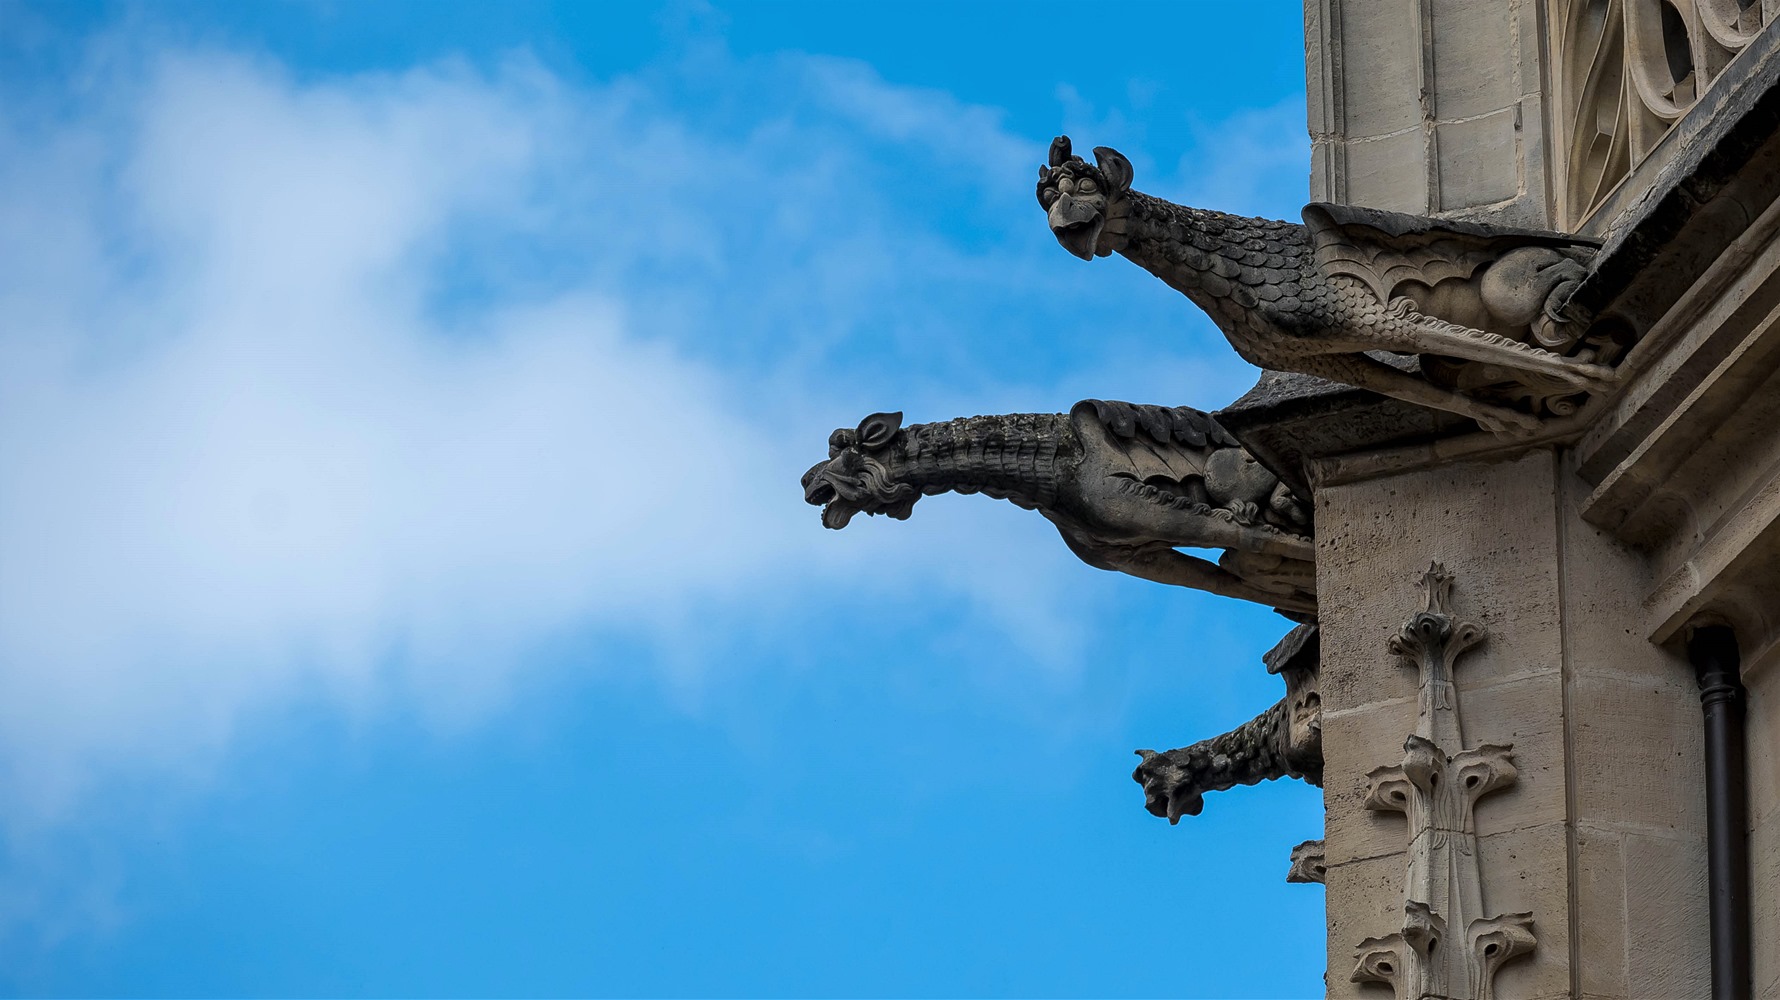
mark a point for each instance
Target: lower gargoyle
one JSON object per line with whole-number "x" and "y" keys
{"x": 1286, "y": 741}
{"x": 1124, "y": 484}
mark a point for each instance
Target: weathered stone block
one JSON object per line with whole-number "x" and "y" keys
{"x": 1666, "y": 919}
{"x": 1527, "y": 713}
{"x": 1355, "y": 742}
{"x": 1639, "y": 759}
{"x": 1479, "y": 160}
{"x": 1764, "y": 876}
{"x": 1763, "y": 715}
{"x": 1600, "y": 913}
{"x": 1481, "y": 520}
{"x": 1526, "y": 871}
{"x": 1365, "y": 899}
{"x": 1389, "y": 173}
{"x": 1476, "y": 64}
{"x": 1381, "y": 63}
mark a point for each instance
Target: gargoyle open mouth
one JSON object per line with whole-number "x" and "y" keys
{"x": 837, "y": 513}
{"x": 1164, "y": 793}
{"x": 1080, "y": 238}
{"x": 819, "y": 492}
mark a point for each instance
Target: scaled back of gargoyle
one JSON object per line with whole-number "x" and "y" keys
{"x": 1316, "y": 297}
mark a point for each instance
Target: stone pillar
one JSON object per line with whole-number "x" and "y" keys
{"x": 1432, "y": 107}
{"x": 1601, "y": 838}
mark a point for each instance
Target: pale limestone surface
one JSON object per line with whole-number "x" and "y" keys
{"x": 1589, "y": 552}
{"x": 1428, "y": 106}
{"x": 1376, "y": 539}
{"x": 1603, "y": 836}
{"x": 1551, "y": 114}
{"x": 1622, "y": 77}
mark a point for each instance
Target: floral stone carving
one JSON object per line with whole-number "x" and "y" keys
{"x": 1449, "y": 945}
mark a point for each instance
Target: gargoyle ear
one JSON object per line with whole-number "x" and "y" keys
{"x": 1114, "y": 167}
{"x": 876, "y": 430}
{"x": 1060, "y": 151}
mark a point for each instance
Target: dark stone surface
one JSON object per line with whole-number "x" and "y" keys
{"x": 1733, "y": 125}
{"x": 1288, "y": 419}
{"x": 1727, "y": 171}
{"x": 1125, "y": 484}
{"x": 1286, "y": 741}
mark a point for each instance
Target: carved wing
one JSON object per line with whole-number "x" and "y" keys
{"x": 1385, "y": 249}
{"x": 1172, "y": 442}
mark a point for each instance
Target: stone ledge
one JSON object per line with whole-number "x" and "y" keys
{"x": 1716, "y": 173}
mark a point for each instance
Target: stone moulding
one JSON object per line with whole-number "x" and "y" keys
{"x": 1624, "y": 74}
{"x": 1436, "y": 787}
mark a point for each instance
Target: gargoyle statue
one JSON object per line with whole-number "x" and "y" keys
{"x": 1314, "y": 298}
{"x": 1284, "y": 741}
{"x": 1124, "y": 484}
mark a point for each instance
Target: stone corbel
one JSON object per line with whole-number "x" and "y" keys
{"x": 1307, "y": 863}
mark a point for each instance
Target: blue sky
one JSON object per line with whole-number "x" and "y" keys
{"x": 407, "y": 588}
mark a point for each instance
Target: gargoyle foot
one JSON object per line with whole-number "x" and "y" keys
{"x": 1507, "y": 423}
{"x": 1590, "y": 378}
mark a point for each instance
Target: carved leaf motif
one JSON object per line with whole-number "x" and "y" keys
{"x": 1388, "y": 789}
{"x": 1495, "y": 941}
{"x": 1407, "y": 961}
{"x": 1436, "y": 787}
{"x": 1482, "y": 770}
{"x": 1382, "y": 960}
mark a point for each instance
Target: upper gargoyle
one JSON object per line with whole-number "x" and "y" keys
{"x": 1314, "y": 298}
{"x": 1124, "y": 484}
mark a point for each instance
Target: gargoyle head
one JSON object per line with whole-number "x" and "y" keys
{"x": 1087, "y": 203}
{"x": 1170, "y": 791}
{"x": 857, "y": 475}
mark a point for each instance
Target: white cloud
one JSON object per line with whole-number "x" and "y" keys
{"x": 256, "y": 434}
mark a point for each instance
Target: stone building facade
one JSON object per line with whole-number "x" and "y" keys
{"x": 1587, "y": 557}
{"x": 1513, "y": 468}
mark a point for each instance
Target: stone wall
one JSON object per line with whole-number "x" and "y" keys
{"x": 1432, "y": 107}
{"x": 1763, "y": 680}
{"x": 1602, "y": 837}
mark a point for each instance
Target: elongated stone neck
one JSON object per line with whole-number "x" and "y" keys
{"x": 1012, "y": 457}
{"x": 1247, "y": 755}
{"x": 1203, "y": 254}
{"x": 1175, "y": 781}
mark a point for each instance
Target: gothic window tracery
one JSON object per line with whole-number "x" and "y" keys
{"x": 1625, "y": 71}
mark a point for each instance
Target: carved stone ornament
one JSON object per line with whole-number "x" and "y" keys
{"x": 1124, "y": 484}
{"x": 1625, "y": 71}
{"x": 1307, "y": 863}
{"x": 1449, "y": 944}
{"x": 1482, "y": 306}
{"x": 1286, "y": 741}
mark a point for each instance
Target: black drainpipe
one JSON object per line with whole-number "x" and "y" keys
{"x": 1712, "y": 649}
